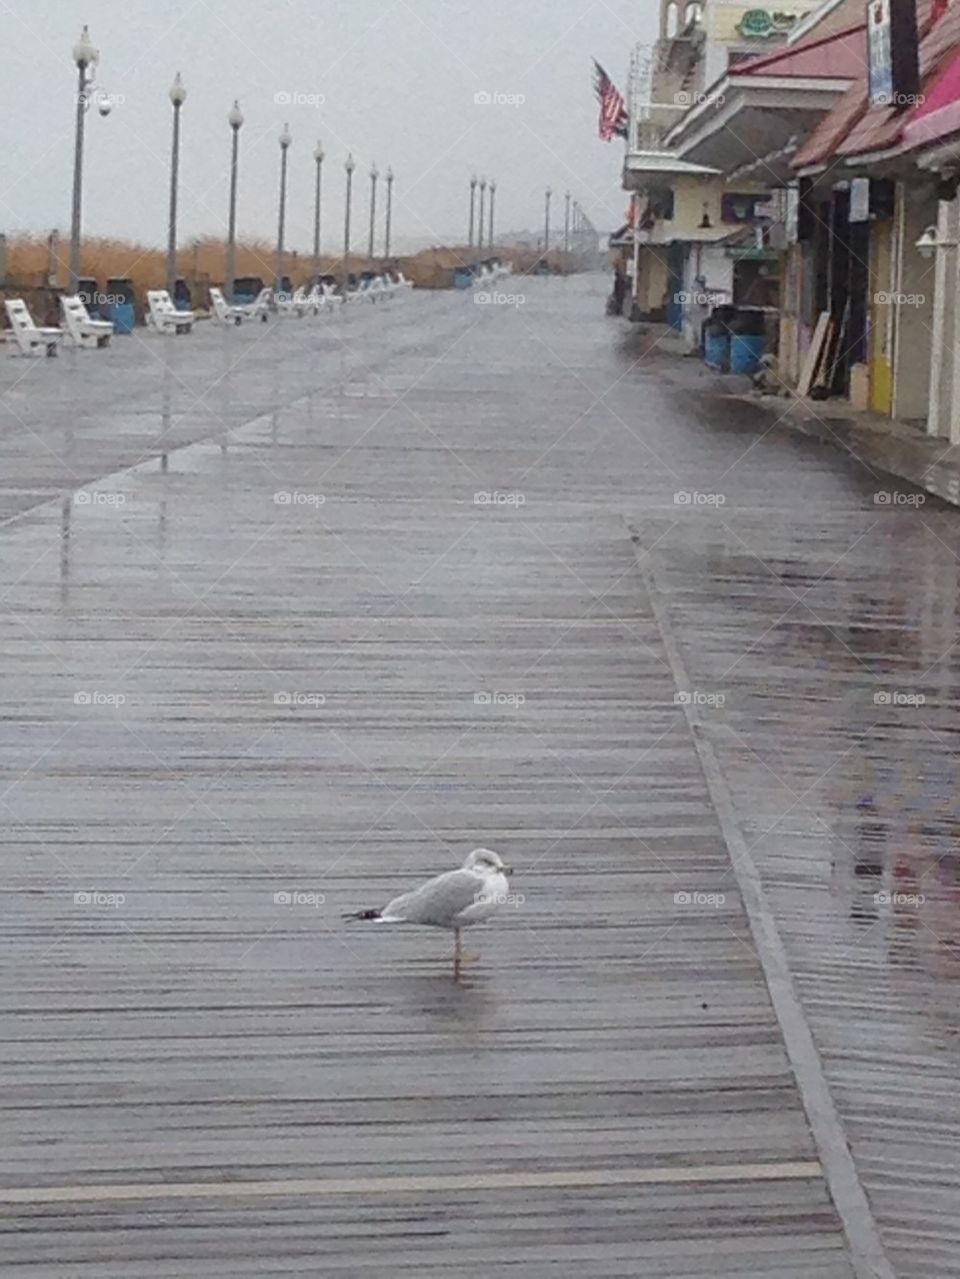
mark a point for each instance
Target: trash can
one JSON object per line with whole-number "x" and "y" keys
{"x": 88, "y": 292}
{"x": 181, "y": 296}
{"x": 748, "y": 341}
{"x": 246, "y": 289}
{"x": 462, "y": 277}
{"x": 716, "y": 338}
{"x": 716, "y": 346}
{"x": 121, "y": 307}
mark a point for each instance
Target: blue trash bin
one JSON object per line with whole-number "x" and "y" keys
{"x": 121, "y": 308}
{"x": 246, "y": 290}
{"x": 462, "y": 277}
{"x": 746, "y": 350}
{"x": 716, "y": 349}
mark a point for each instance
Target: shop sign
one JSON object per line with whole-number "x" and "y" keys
{"x": 764, "y": 24}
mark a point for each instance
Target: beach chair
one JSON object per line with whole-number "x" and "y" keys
{"x": 81, "y": 330}
{"x": 292, "y": 303}
{"x": 163, "y": 316}
{"x": 315, "y": 300}
{"x": 226, "y": 313}
{"x": 29, "y": 338}
{"x": 260, "y": 310}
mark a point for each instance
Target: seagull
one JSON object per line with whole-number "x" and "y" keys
{"x": 456, "y": 900}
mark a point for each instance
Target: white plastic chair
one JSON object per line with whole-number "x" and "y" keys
{"x": 81, "y": 330}
{"x": 291, "y": 303}
{"x": 29, "y": 338}
{"x": 225, "y": 312}
{"x": 163, "y": 316}
{"x": 315, "y": 300}
{"x": 260, "y": 310}
{"x": 372, "y": 290}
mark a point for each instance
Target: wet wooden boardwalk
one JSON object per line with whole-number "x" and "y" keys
{"x": 203, "y": 1077}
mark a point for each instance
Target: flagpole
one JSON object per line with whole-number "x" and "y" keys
{"x": 634, "y": 141}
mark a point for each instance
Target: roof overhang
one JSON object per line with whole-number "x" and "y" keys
{"x": 939, "y": 159}
{"x": 663, "y": 235}
{"x": 743, "y": 119}
{"x": 650, "y": 168}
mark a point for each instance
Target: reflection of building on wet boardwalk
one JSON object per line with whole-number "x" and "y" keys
{"x": 296, "y": 661}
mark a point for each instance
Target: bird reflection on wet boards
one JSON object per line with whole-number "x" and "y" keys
{"x": 455, "y": 900}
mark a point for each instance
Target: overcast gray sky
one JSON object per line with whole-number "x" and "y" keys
{"x": 392, "y": 80}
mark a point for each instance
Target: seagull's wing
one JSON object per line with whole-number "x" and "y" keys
{"x": 439, "y": 901}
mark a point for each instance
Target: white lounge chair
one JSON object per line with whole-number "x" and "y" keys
{"x": 315, "y": 300}
{"x": 163, "y": 316}
{"x": 225, "y": 312}
{"x": 403, "y": 282}
{"x": 29, "y": 338}
{"x": 292, "y": 303}
{"x": 260, "y": 310}
{"x": 371, "y": 290}
{"x": 81, "y": 330}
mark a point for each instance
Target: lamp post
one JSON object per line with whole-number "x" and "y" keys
{"x": 286, "y": 138}
{"x": 546, "y": 223}
{"x": 473, "y": 208}
{"x": 349, "y": 166}
{"x": 493, "y": 201}
{"x": 319, "y": 156}
{"x": 389, "y": 226}
{"x": 483, "y": 200}
{"x": 178, "y": 96}
{"x": 235, "y": 119}
{"x": 85, "y": 55}
{"x": 566, "y": 224}
{"x": 374, "y": 177}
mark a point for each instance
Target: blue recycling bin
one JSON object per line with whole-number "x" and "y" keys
{"x": 181, "y": 296}
{"x": 88, "y": 290}
{"x": 462, "y": 277}
{"x": 121, "y": 308}
{"x": 716, "y": 350}
{"x": 746, "y": 351}
{"x": 246, "y": 289}
{"x": 747, "y": 340}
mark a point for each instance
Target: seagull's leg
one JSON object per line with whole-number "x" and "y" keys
{"x": 456, "y": 954}
{"x": 463, "y": 960}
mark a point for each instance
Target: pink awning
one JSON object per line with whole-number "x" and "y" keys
{"x": 939, "y": 114}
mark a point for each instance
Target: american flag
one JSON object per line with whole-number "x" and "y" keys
{"x": 613, "y": 110}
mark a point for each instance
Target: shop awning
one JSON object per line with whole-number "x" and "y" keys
{"x": 939, "y": 114}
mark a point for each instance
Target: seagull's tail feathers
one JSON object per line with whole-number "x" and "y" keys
{"x": 365, "y": 915}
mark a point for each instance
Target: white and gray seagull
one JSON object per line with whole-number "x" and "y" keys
{"x": 459, "y": 899}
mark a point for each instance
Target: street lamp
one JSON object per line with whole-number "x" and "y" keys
{"x": 493, "y": 201}
{"x": 473, "y": 207}
{"x": 483, "y": 199}
{"x": 319, "y": 156}
{"x": 85, "y": 55}
{"x": 546, "y": 224}
{"x": 374, "y": 176}
{"x": 566, "y": 224}
{"x": 389, "y": 226}
{"x": 930, "y": 241}
{"x": 235, "y": 119}
{"x": 286, "y": 138}
{"x": 349, "y": 165}
{"x": 178, "y": 96}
